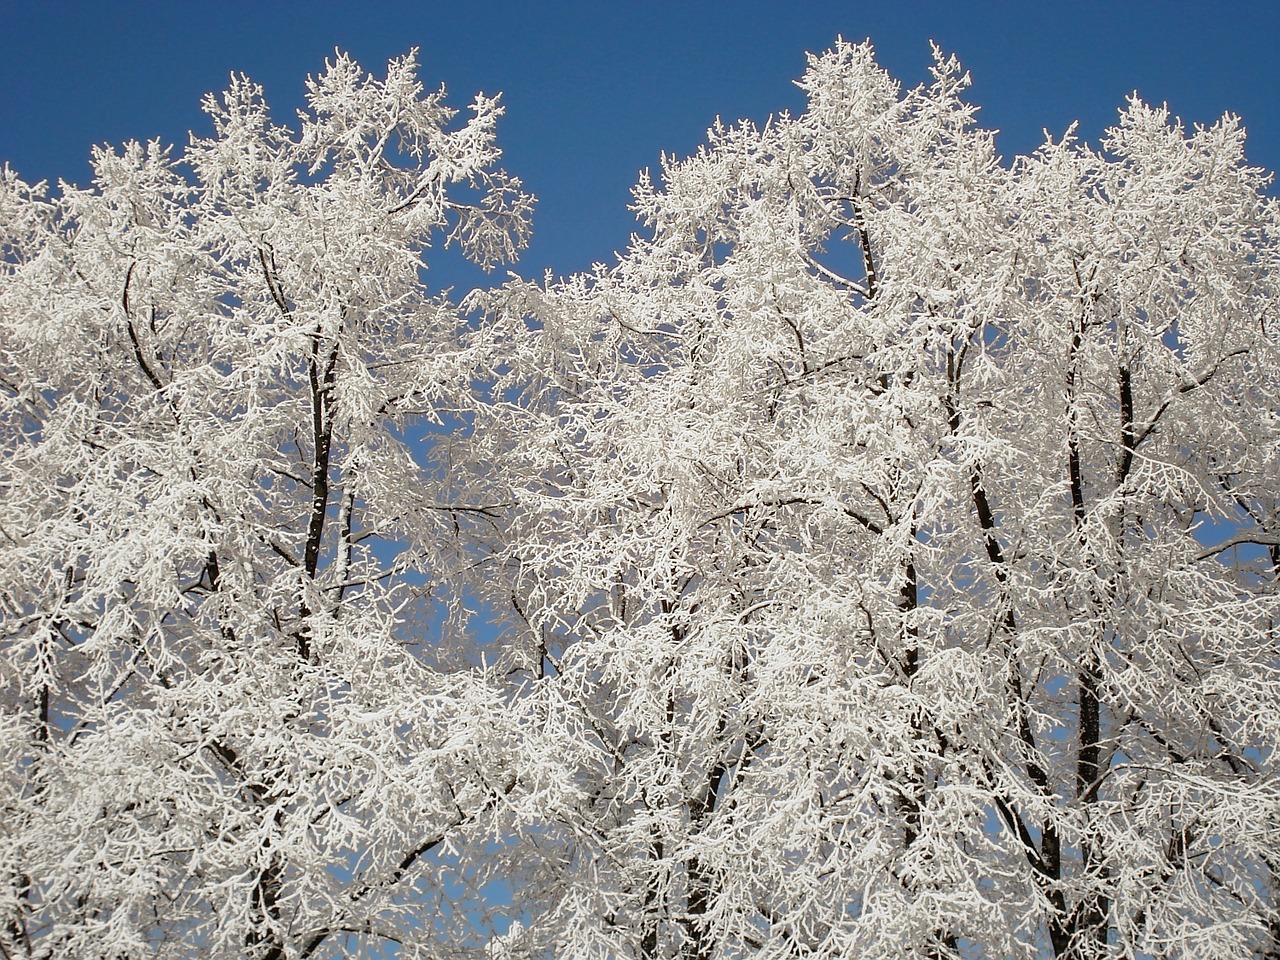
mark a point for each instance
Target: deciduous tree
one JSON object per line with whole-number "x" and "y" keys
{"x": 893, "y": 547}
{"x": 225, "y": 732}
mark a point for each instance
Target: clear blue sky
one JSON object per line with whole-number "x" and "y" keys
{"x": 595, "y": 90}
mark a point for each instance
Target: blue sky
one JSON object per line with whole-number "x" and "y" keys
{"x": 595, "y": 91}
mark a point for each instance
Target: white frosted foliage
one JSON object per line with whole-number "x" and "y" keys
{"x": 882, "y": 552}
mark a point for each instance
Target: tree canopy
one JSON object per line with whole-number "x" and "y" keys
{"x": 878, "y": 558}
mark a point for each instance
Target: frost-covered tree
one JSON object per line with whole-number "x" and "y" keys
{"x": 222, "y": 731}
{"x": 886, "y": 546}
{"x": 894, "y": 543}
